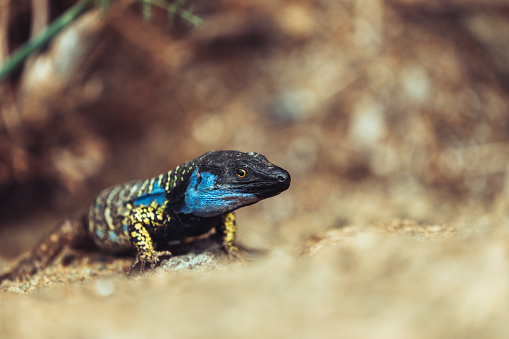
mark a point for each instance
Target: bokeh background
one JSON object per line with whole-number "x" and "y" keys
{"x": 391, "y": 116}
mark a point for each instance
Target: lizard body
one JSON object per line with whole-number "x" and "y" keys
{"x": 190, "y": 200}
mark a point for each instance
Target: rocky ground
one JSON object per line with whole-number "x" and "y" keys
{"x": 391, "y": 116}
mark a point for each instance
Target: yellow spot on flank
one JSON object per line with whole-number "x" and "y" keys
{"x": 168, "y": 182}
{"x": 145, "y": 184}
{"x": 108, "y": 218}
{"x": 151, "y": 185}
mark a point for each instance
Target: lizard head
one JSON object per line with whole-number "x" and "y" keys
{"x": 224, "y": 181}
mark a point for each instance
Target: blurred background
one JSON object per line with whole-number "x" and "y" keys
{"x": 390, "y": 114}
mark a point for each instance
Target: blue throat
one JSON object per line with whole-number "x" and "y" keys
{"x": 204, "y": 199}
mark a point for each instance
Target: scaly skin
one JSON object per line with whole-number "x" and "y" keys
{"x": 190, "y": 200}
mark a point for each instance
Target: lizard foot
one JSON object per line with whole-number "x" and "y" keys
{"x": 151, "y": 258}
{"x": 232, "y": 251}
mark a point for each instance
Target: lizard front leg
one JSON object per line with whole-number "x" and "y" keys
{"x": 228, "y": 233}
{"x": 139, "y": 219}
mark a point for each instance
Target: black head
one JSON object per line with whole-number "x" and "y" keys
{"x": 223, "y": 181}
{"x": 246, "y": 172}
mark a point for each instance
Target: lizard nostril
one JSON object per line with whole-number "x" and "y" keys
{"x": 281, "y": 177}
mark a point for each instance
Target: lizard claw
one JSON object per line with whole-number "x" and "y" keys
{"x": 143, "y": 259}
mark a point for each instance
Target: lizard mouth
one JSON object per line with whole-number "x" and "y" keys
{"x": 270, "y": 192}
{"x": 280, "y": 184}
{"x": 272, "y": 183}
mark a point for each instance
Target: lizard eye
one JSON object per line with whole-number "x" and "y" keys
{"x": 241, "y": 173}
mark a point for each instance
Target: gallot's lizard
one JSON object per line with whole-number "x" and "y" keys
{"x": 188, "y": 201}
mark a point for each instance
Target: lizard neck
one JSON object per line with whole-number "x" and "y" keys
{"x": 178, "y": 178}
{"x": 165, "y": 189}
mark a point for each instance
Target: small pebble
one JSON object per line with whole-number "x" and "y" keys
{"x": 104, "y": 287}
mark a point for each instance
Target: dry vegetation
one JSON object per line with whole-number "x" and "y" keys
{"x": 391, "y": 116}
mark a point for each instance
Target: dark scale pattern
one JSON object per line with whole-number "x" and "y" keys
{"x": 108, "y": 211}
{"x": 108, "y": 218}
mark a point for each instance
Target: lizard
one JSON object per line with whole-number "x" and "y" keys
{"x": 188, "y": 201}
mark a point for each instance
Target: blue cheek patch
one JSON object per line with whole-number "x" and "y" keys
{"x": 204, "y": 199}
{"x": 99, "y": 233}
{"x": 157, "y": 194}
